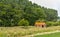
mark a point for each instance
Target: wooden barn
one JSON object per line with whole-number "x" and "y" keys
{"x": 40, "y": 24}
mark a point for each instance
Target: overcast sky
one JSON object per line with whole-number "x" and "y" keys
{"x": 54, "y": 4}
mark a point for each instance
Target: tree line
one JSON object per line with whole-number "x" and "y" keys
{"x": 24, "y": 12}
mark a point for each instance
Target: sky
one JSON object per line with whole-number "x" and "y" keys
{"x": 54, "y": 4}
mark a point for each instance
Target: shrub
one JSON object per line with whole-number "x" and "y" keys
{"x": 51, "y": 23}
{"x": 23, "y": 22}
{"x": 58, "y": 23}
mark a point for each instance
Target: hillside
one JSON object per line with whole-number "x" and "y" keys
{"x": 12, "y": 12}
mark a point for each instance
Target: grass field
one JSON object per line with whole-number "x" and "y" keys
{"x": 20, "y": 31}
{"x": 49, "y": 35}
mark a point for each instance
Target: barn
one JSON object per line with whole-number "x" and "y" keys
{"x": 40, "y": 24}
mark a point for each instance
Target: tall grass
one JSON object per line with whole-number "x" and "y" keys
{"x": 21, "y": 31}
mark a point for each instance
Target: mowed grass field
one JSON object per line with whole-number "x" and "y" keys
{"x": 22, "y": 31}
{"x": 50, "y": 35}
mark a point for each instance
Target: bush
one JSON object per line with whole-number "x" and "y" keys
{"x": 23, "y": 22}
{"x": 51, "y": 23}
{"x": 58, "y": 23}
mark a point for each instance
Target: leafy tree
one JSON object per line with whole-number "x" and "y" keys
{"x": 13, "y": 11}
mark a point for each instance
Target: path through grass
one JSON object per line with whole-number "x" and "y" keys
{"x": 50, "y": 35}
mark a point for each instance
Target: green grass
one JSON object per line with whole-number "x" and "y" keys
{"x": 49, "y": 35}
{"x": 19, "y": 31}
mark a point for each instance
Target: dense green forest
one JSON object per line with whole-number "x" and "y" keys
{"x": 24, "y": 12}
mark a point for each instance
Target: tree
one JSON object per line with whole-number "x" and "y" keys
{"x": 13, "y": 11}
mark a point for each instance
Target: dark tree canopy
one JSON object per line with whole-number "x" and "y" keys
{"x": 13, "y": 11}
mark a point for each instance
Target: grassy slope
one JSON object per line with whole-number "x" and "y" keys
{"x": 49, "y": 35}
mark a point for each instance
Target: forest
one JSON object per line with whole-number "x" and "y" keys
{"x": 24, "y": 13}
